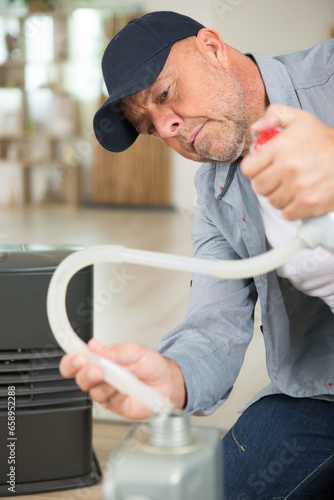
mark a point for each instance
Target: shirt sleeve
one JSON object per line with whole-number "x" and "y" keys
{"x": 210, "y": 344}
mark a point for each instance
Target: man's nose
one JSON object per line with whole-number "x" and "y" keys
{"x": 166, "y": 122}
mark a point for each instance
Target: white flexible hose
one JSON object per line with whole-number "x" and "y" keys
{"x": 115, "y": 375}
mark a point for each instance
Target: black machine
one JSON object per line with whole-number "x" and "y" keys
{"x": 45, "y": 420}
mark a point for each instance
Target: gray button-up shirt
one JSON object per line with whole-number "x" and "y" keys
{"x": 298, "y": 329}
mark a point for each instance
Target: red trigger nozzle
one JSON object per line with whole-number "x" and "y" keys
{"x": 264, "y": 136}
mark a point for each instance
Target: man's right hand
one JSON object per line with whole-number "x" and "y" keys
{"x": 295, "y": 170}
{"x": 155, "y": 370}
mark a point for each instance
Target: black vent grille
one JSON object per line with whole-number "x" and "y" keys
{"x": 37, "y": 381}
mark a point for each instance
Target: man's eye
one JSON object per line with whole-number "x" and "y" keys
{"x": 151, "y": 129}
{"x": 163, "y": 96}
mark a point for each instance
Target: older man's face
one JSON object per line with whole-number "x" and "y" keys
{"x": 195, "y": 108}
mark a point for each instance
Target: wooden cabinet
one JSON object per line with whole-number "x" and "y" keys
{"x": 139, "y": 176}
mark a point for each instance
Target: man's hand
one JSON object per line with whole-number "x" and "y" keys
{"x": 295, "y": 169}
{"x": 155, "y": 370}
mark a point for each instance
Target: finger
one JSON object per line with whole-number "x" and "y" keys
{"x": 102, "y": 350}
{"x": 266, "y": 182}
{"x": 257, "y": 161}
{"x": 103, "y": 394}
{"x": 89, "y": 376}
{"x": 308, "y": 204}
{"x": 127, "y": 407}
{"x": 276, "y": 115}
{"x": 125, "y": 354}
{"x": 70, "y": 364}
{"x": 131, "y": 356}
{"x": 280, "y": 197}
{"x": 294, "y": 211}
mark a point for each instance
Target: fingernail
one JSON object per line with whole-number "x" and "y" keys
{"x": 79, "y": 361}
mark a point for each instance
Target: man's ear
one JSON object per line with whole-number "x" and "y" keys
{"x": 212, "y": 47}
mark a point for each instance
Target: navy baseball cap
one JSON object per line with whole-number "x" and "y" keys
{"x": 132, "y": 61}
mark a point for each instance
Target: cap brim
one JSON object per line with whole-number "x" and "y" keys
{"x": 112, "y": 130}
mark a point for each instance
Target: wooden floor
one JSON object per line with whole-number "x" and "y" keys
{"x": 106, "y": 437}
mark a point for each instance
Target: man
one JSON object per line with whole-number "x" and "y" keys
{"x": 170, "y": 77}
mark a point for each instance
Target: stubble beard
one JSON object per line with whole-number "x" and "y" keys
{"x": 228, "y": 142}
{"x": 234, "y": 143}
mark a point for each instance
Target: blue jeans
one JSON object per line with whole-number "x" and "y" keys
{"x": 281, "y": 448}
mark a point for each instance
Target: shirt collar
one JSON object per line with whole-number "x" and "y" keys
{"x": 222, "y": 170}
{"x": 277, "y": 81}
{"x": 279, "y": 89}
